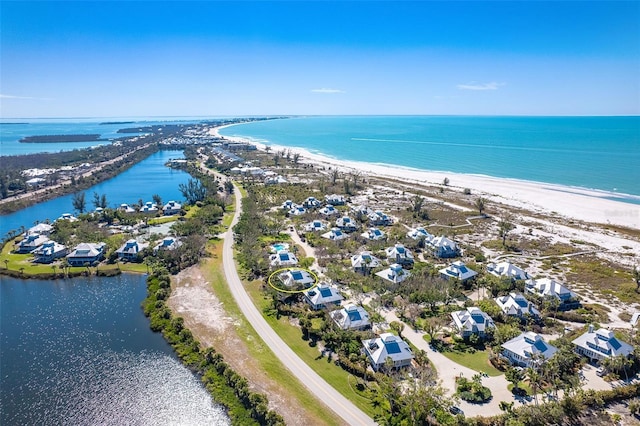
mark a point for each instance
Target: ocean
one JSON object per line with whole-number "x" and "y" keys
{"x": 600, "y": 153}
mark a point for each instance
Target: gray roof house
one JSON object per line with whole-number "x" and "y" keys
{"x": 48, "y": 252}
{"x": 443, "y": 247}
{"x": 600, "y": 344}
{"x": 130, "y": 249}
{"x": 172, "y": 207}
{"x": 86, "y": 253}
{"x": 516, "y": 305}
{"x": 316, "y": 225}
{"x": 31, "y": 242}
{"x": 507, "y": 270}
{"x": 335, "y": 199}
{"x": 322, "y": 296}
{"x": 378, "y": 218}
{"x": 525, "y": 348}
{"x": 394, "y": 273}
{"x": 364, "y": 262}
{"x": 399, "y": 254}
{"x": 387, "y": 346}
{"x": 328, "y": 210}
{"x": 335, "y": 234}
{"x": 167, "y": 243}
{"x": 374, "y": 234}
{"x": 351, "y": 317}
{"x": 471, "y": 321}
{"x": 546, "y": 287}
{"x": 419, "y": 232}
{"x": 311, "y": 203}
{"x": 457, "y": 270}
{"x": 346, "y": 224}
{"x": 283, "y": 258}
{"x": 40, "y": 229}
{"x": 297, "y": 278}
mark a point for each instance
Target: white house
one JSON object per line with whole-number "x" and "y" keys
{"x": 288, "y": 205}
{"x": 394, "y": 273}
{"x": 600, "y": 344}
{"x": 167, "y": 243}
{"x": 297, "y": 278}
{"x": 443, "y": 247}
{"x": 275, "y": 180}
{"x": 126, "y": 208}
{"x": 311, "y": 203}
{"x": 351, "y": 317}
{"x": 335, "y": 234}
{"x": 334, "y": 199}
{"x": 316, "y": 225}
{"x": 130, "y": 249}
{"x": 67, "y": 216}
{"x": 31, "y": 242}
{"x": 346, "y": 224}
{"x": 387, "y": 346}
{"x": 149, "y": 207}
{"x": 546, "y": 287}
{"x": 507, "y": 270}
{"x": 297, "y": 211}
{"x": 40, "y": 229}
{"x": 364, "y": 262}
{"x": 171, "y": 208}
{"x": 459, "y": 271}
{"x": 379, "y": 218}
{"x": 526, "y": 347}
{"x": 516, "y": 305}
{"x": 48, "y": 252}
{"x": 283, "y": 258}
{"x": 471, "y": 321}
{"x": 374, "y": 234}
{"x": 86, "y": 253}
{"x": 399, "y": 254}
{"x": 418, "y": 233}
{"x": 328, "y": 210}
{"x": 322, "y": 296}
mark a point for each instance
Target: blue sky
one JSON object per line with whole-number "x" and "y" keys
{"x": 117, "y": 59}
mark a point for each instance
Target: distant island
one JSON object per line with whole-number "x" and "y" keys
{"x": 13, "y": 124}
{"x": 93, "y": 137}
{"x": 116, "y": 122}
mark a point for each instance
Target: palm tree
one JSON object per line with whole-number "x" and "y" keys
{"x": 534, "y": 381}
{"x": 480, "y": 205}
{"x": 504, "y": 227}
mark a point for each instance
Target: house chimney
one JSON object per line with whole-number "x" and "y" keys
{"x": 590, "y": 328}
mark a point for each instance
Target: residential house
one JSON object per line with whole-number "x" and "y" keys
{"x": 527, "y": 349}
{"x": 472, "y": 321}
{"x": 288, "y": 205}
{"x": 67, "y": 216}
{"x": 167, "y": 243}
{"x": 297, "y": 211}
{"x": 126, "y": 208}
{"x": 516, "y": 305}
{"x": 171, "y": 208}
{"x": 149, "y": 207}
{"x": 346, "y": 224}
{"x": 364, "y": 262}
{"x": 387, "y": 346}
{"x": 419, "y": 233}
{"x": 275, "y": 180}
{"x": 334, "y": 199}
{"x": 87, "y": 253}
{"x": 283, "y": 258}
{"x": 322, "y": 296}
{"x": 600, "y": 344}
{"x": 394, "y": 273}
{"x": 399, "y": 254}
{"x": 507, "y": 270}
{"x": 328, "y": 210}
{"x": 48, "y": 252}
{"x": 130, "y": 250}
{"x": 374, "y": 234}
{"x": 351, "y": 317}
{"x": 31, "y": 242}
{"x": 546, "y": 287}
{"x": 378, "y": 218}
{"x": 335, "y": 234}
{"x": 311, "y": 203}
{"x": 444, "y": 248}
{"x": 40, "y": 229}
{"x": 457, "y": 270}
{"x": 297, "y": 278}
{"x": 316, "y": 225}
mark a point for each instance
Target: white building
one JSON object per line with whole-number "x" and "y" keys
{"x": 443, "y": 247}
{"x": 516, "y": 305}
{"x": 364, "y": 262}
{"x": 283, "y": 258}
{"x": 507, "y": 270}
{"x": 328, "y": 210}
{"x": 526, "y": 347}
{"x": 472, "y": 321}
{"x": 418, "y": 233}
{"x": 167, "y": 243}
{"x": 546, "y": 287}
{"x": 394, "y": 273}
{"x": 171, "y": 208}
{"x": 351, "y": 317}
{"x": 600, "y": 344}
{"x": 322, "y": 296}
{"x": 316, "y": 225}
{"x": 346, "y": 224}
{"x": 86, "y": 253}
{"x": 31, "y": 242}
{"x": 297, "y": 278}
{"x": 399, "y": 254}
{"x": 457, "y": 270}
{"x": 335, "y": 234}
{"x": 374, "y": 234}
{"x": 387, "y": 346}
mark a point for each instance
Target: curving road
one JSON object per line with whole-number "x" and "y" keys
{"x": 344, "y": 408}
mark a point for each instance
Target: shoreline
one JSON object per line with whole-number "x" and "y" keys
{"x": 577, "y": 203}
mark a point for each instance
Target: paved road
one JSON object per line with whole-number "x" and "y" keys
{"x": 344, "y": 408}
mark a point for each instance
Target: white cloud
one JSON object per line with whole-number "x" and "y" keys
{"x": 325, "y": 90}
{"x": 3, "y": 96}
{"x": 480, "y": 86}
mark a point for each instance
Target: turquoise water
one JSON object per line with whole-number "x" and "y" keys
{"x": 591, "y": 152}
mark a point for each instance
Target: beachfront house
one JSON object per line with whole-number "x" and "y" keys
{"x": 40, "y": 229}
{"x": 126, "y": 208}
{"x": 346, "y": 224}
{"x": 527, "y": 349}
{"x": 387, "y": 346}
{"x": 328, "y": 210}
{"x": 48, "y": 252}
{"x": 378, "y": 218}
{"x": 171, "y": 208}
{"x": 130, "y": 250}
{"x": 31, "y": 242}
{"x": 459, "y": 271}
{"x": 149, "y": 207}
{"x": 472, "y": 321}
{"x": 283, "y": 258}
{"x": 167, "y": 243}
{"x": 322, "y": 296}
{"x": 311, "y": 203}
{"x": 351, "y": 317}
{"x": 546, "y": 287}
{"x": 335, "y": 235}
{"x": 297, "y": 279}
{"x": 87, "y": 253}
{"x": 374, "y": 234}
{"x": 420, "y": 233}
{"x": 516, "y": 305}
{"x": 399, "y": 254}
{"x": 363, "y": 263}
{"x": 444, "y": 248}
{"x": 600, "y": 344}
{"x": 507, "y": 270}
{"x": 67, "y": 216}
{"x": 334, "y": 199}
{"x": 316, "y": 225}
{"x": 394, "y": 273}
{"x": 275, "y": 180}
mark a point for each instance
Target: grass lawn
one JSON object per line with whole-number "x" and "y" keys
{"x": 478, "y": 361}
{"x": 258, "y": 350}
{"x": 161, "y": 220}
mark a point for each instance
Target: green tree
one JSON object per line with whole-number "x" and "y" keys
{"x": 504, "y": 227}
{"x": 481, "y": 204}
{"x": 636, "y": 277}
{"x": 193, "y": 191}
{"x": 157, "y": 200}
{"x": 514, "y": 376}
{"x": 78, "y": 202}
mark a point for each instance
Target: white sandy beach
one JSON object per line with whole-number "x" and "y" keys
{"x": 556, "y": 200}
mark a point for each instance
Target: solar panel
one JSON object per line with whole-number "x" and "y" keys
{"x": 354, "y": 316}
{"x": 325, "y": 292}
{"x": 615, "y": 344}
{"x": 392, "y": 348}
{"x": 297, "y": 275}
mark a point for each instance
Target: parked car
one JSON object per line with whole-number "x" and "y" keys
{"x": 600, "y": 372}
{"x": 456, "y": 410}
